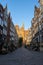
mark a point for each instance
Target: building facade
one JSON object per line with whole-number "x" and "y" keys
{"x": 37, "y": 27}
{"x": 29, "y": 37}
{"x": 7, "y": 29}
{"x": 25, "y": 34}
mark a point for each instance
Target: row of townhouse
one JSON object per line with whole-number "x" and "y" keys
{"x": 37, "y": 27}
{"x": 29, "y": 37}
{"x": 8, "y": 32}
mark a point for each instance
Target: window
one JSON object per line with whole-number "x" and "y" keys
{"x": 39, "y": 27}
{"x": 4, "y": 31}
{"x": 42, "y": 38}
{"x": 1, "y": 22}
{"x": 5, "y": 23}
{"x": 41, "y": 15}
{"x": 12, "y": 38}
{"x": 11, "y": 33}
{"x": 42, "y": 24}
{"x": 1, "y": 14}
{"x": 1, "y": 31}
{"x": 42, "y": 8}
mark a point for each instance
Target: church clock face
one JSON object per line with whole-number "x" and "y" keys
{"x": 41, "y": 2}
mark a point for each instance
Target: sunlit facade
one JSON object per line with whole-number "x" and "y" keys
{"x": 25, "y": 34}
{"x": 37, "y": 27}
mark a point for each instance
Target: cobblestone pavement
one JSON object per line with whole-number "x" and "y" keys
{"x": 22, "y": 57}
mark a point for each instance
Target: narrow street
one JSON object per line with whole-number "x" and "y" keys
{"x": 22, "y": 57}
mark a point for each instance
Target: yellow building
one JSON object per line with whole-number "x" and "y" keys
{"x": 24, "y": 34}
{"x": 20, "y": 31}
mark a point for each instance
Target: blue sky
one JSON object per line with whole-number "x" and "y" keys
{"x": 22, "y": 11}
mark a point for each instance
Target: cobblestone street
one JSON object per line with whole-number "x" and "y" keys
{"x": 22, "y": 57}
